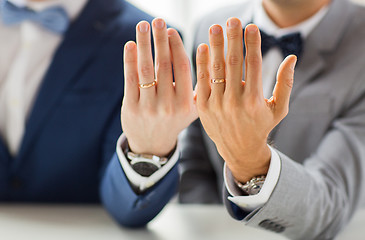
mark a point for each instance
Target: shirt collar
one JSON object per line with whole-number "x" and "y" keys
{"x": 263, "y": 21}
{"x": 72, "y": 7}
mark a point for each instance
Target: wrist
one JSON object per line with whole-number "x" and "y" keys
{"x": 153, "y": 148}
{"x": 251, "y": 165}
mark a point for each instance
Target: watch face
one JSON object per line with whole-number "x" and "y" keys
{"x": 144, "y": 169}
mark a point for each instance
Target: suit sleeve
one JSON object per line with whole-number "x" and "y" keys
{"x": 126, "y": 206}
{"x": 316, "y": 199}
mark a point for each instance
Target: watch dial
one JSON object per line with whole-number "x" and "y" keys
{"x": 144, "y": 169}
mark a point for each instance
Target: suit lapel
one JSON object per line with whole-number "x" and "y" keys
{"x": 310, "y": 65}
{"x": 321, "y": 42}
{"x": 323, "y": 39}
{"x": 81, "y": 41}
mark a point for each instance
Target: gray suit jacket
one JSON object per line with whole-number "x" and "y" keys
{"x": 321, "y": 142}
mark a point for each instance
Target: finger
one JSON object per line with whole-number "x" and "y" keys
{"x": 284, "y": 84}
{"x": 216, "y": 42}
{"x": 181, "y": 65}
{"x": 163, "y": 66}
{"x": 253, "y": 61}
{"x": 131, "y": 89}
{"x": 145, "y": 62}
{"x": 234, "y": 55}
{"x": 202, "y": 73}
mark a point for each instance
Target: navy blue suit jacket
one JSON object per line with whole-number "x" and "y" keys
{"x": 68, "y": 150}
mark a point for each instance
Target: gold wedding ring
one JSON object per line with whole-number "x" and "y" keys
{"x": 148, "y": 85}
{"x": 217, "y": 80}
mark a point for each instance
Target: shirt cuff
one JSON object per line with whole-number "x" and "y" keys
{"x": 249, "y": 203}
{"x": 137, "y": 180}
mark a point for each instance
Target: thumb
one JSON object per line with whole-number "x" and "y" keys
{"x": 284, "y": 84}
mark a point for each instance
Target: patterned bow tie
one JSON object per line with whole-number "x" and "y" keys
{"x": 288, "y": 44}
{"x": 55, "y": 19}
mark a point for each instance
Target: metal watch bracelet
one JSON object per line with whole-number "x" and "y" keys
{"x": 253, "y": 186}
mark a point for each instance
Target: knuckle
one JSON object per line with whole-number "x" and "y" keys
{"x": 217, "y": 43}
{"x": 232, "y": 110}
{"x": 202, "y": 75}
{"x": 233, "y": 35}
{"x": 143, "y": 44}
{"x": 253, "y": 41}
{"x": 289, "y": 83}
{"x": 201, "y": 61}
{"x": 185, "y": 109}
{"x": 235, "y": 59}
{"x": 160, "y": 39}
{"x": 149, "y": 111}
{"x": 232, "y": 100}
{"x": 254, "y": 59}
{"x": 250, "y": 104}
{"x": 167, "y": 110}
{"x": 184, "y": 65}
{"x": 163, "y": 64}
{"x": 218, "y": 66}
{"x": 130, "y": 79}
{"x": 146, "y": 70}
{"x": 217, "y": 103}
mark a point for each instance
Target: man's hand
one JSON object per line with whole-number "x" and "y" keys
{"x": 152, "y": 117}
{"x": 235, "y": 114}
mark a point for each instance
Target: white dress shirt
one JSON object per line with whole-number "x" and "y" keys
{"x": 271, "y": 62}
{"x": 26, "y": 52}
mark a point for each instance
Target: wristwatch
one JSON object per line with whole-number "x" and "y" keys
{"x": 146, "y": 164}
{"x": 253, "y": 186}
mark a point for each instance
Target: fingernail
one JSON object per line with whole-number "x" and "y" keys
{"x": 129, "y": 46}
{"x": 251, "y": 28}
{"x": 170, "y": 32}
{"x": 233, "y": 22}
{"x": 215, "y": 29}
{"x": 159, "y": 23}
{"x": 292, "y": 65}
{"x": 202, "y": 48}
{"x": 143, "y": 27}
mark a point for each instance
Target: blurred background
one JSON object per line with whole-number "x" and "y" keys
{"x": 184, "y": 14}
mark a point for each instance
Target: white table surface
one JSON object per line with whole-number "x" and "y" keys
{"x": 177, "y": 222}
